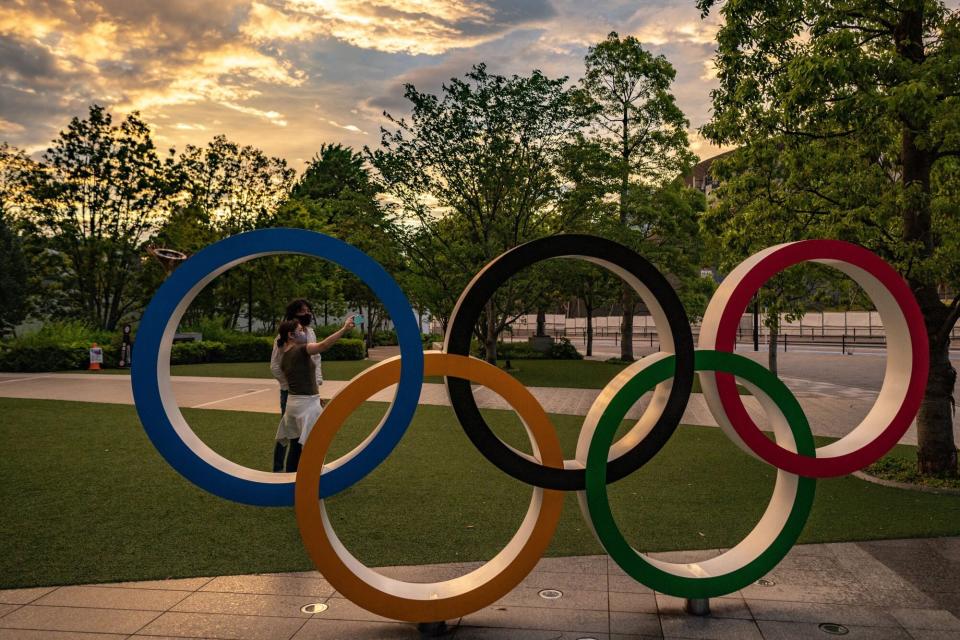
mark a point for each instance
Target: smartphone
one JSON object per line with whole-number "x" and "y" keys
{"x": 358, "y": 319}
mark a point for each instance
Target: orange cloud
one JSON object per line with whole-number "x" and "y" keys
{"x": 392, "y": 26}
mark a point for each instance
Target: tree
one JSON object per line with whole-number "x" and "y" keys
{"x": 17, "y": 171}
{"x": 643, "y": 134}
{"x": 103, "y": 189}
{"x": 848, "y": 115}
{"x": 13, "y": 278}
{"x": 336, "y": 195}
{"x": 238, "y": 188}
{"x": 477, "y": 169}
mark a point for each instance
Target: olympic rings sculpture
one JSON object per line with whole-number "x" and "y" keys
{"x": 598, "y": 460}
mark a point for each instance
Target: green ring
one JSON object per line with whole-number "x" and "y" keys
{"x": 598, "y": 504}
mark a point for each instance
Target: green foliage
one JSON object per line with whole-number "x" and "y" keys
{"x": 475, "y": 171}
{"x": 195, "y": 352}
{"x": 385, "y": 338}
{"x": 625, "y": 172}
{"x": 562, "y": 349}
{"x": 346, "y": 349}
{"x": 13, "y": 277}
{"x": 103, "y": 188}
{"x": 847, "y": 116}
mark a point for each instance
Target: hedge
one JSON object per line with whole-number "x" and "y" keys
{"x": 33, "y": 358}
{"x": 67, "y": 357}
{"x": 562, "y": 349}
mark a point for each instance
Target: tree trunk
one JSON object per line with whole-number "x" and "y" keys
{"x": 490, "y": 334}
{"x": 541, "y": 321}
{"x": 772, "y": 355}
{"x": 589, "y": 329}
{"x": 627, "y": 302}
{"x": 936, "y": 448}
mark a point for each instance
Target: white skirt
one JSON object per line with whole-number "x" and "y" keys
{"x": 297, "y": 421}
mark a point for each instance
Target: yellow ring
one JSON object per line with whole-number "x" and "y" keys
{"x": 414, "y": 601}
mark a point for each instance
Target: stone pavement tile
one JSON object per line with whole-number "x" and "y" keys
{"x": 23, "y": 596}
{"x": 693, "y": 555}
{"x": 949, "y": 548}
{"x": 480, "y": 633}
{"x": 822, "y": 550}
{"x": 425, "y": 573}
{"x": 709, "y": 628}
{"x": 565, "y": 581}
{"x": 317, "y": 629}
{"x": 633, "y": 602}
{"x": 733, "y": 607}
{"x": 246, "y": 604}
{"x": 538, "y": 618}
{"x": 7, "y": 608}
{"x": 175, "y": 584}
{"x": 805, "y": 630}
{"x": 271, "y": 585}
{"x": 859, "y": 615}
{"x": 112, "y": 598}
{"x": 626, "y": 584}
{"x": 217, "y": 626}
{"x": 887, "y": 586}
{"x": 30, "y": 634}
{"x": 638, "y": 624}
{"x": 294, "y": 574}
{"x": 579, "y": 564}
{"x": 76, "y": 619}
{"x": 931, "y": 619}
{"x": 843, "y": 593}
{"x": 571, "y": 599}
{"x": 927, "y": 634}
{"x": 342, "y": 609}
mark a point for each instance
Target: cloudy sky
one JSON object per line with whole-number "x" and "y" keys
{"x": 288, "y": 75}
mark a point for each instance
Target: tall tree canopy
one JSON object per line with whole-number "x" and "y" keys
{"x": 477, "y": 168}
{"x": 848, "y": 119}
{"x": 642, "y": 133}
{"x": 103, "y": 189}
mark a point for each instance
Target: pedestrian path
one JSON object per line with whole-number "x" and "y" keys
{"x": 830, "y": 412}
{"x": 883, "y": 590}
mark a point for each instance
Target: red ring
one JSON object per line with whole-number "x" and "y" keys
{"x": 777, "y": 259}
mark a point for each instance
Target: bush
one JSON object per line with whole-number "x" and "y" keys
{"x": 54, "y": 357}
{"x": 324, "y": 330}
{"x": 346, "y": 349}
{"x": 196, "y": 352}
{"x": 385, "y": 338}
{"x": 429, "y": 338}
{"x": 58, "y": 346}
{"x": 563, "y": 349}
{"x": 247, "y": 348}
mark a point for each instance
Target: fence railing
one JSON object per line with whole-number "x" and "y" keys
{"x": 795, "y": 337}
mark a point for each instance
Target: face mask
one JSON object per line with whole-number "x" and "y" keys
{"x": 304, "y": 319}
{"x": 300, "y": 338}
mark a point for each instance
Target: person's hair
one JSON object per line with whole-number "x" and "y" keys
{"x": 294, "y": 307}
{"x": 286, "y": 328}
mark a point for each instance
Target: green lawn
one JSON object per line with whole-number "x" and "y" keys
{"x": 86, "y": 498}
{"x": 581, "y": 374}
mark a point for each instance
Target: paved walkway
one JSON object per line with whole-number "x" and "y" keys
{"x": 833, "y": 410}
{"x": 886, "y": 590}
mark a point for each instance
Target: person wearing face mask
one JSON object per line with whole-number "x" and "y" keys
{"x": 300, "y": 311}
{"x": 303, "y": 399}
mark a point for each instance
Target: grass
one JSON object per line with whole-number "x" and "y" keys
{"x": 86, "y": 498}
{"x": 901, "y": 466}
{"x": 579, "y": 374}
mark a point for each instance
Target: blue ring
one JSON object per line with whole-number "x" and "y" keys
{"x": 201, "y": 268}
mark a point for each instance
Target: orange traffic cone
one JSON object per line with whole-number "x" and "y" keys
{"x": 96, "y": 357}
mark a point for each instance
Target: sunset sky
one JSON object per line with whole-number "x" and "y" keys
{"x": 288, "y": 75}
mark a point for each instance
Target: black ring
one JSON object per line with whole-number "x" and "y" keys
{"x": 467, "y": 312}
